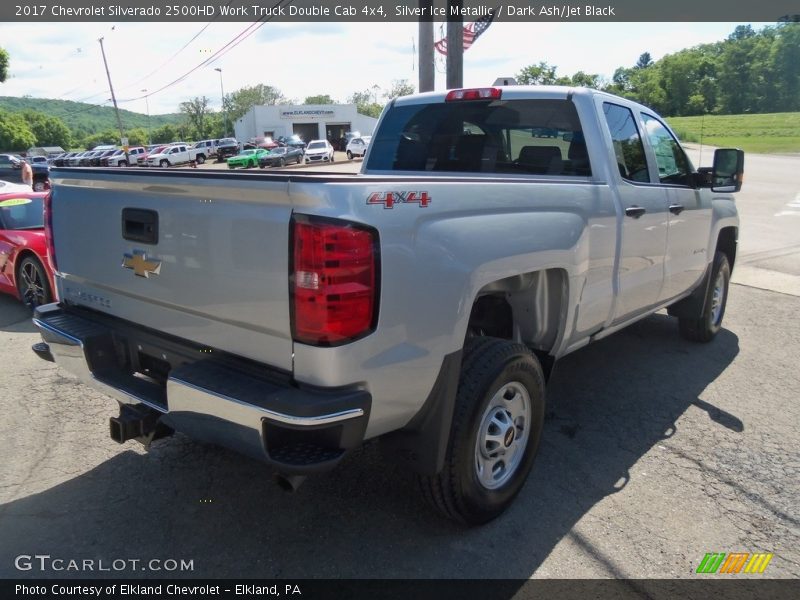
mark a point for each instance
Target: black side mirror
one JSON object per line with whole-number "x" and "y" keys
{"x": 728, "y": 170}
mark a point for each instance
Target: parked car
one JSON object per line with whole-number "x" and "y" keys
{"x": 15, "y": 170}
{"x": 62, "y": 160}
{"x": 86, "y": 159}
{"x": 281, "y": 156}
{"x": 37, "y": 160}
{"x": 117, "y": 159}
{"x": 358, "y": 146}
{"x": 227, "y": 147}
{"x": 24, "y": 267}
{"x": 175, "y": 154}
{"x": 75, "y": 159}
{"x": 247, "y": 159}
{"x": 97, "y": 159}
{"x": 141, "y": 160}
{"x": 319, "y": 151}
{"x": 268, "y": 143}
{"x": 294, "y": 141}
{"x": 207, "y": 148}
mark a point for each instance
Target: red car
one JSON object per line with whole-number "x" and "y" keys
{"x": 24, "y": 268}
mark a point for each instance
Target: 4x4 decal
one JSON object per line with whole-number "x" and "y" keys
{"x": 389, "y": 199}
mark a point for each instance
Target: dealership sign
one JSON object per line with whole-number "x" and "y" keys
{"x": 311, "y": 113}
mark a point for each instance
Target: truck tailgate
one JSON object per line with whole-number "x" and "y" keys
{"x": 215, "y": 272}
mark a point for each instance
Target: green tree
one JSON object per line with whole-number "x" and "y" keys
{"x": 164, "y": 134}
{"x": 319, "y": 99}
{"x": 365, "y": 103}
{"x": 785, "y": 59}
{"x": 644, "y": 61}
{"x": 15, "y": 134}
{"x": 540, "y": 74}
{"x": 400, "y": 87}
{"x": 196, "y": 111}
{"x": 581, "y": 79}
{"x": 3, "y": 65}
{"x": 137, "y": 136}
{"x": 49, "y": 131}
{"x": 239, "y": 102}
{"x": 109, "y": 136}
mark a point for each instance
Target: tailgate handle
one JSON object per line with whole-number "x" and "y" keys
{"x": 140, "y": 225}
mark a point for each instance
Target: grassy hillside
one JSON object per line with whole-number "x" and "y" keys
{"x": 765, "y": 133}
{"x": 85, "y": 119}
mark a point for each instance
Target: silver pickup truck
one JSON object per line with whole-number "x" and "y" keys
{"x": 423, "y": 301}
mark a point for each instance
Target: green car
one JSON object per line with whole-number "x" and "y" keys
{"x": 247, "y": 159}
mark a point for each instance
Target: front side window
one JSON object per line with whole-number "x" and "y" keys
{"x": 528, "y": 137}
{"x": 673, "y": 165}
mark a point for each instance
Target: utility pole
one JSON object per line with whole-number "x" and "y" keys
{"x": 426, "y": 70}
{"x": 114, "y": 100}
{"x": 147, "y": 103}
{"x": 222, "y": 98}
{"x": 455, "y": 44}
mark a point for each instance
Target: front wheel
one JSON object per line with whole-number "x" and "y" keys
{"x": 282, "y": 163}
{"x": 708, "y": 325}
{"x": 33, "y": 286}
{"x": 349, "y": 155}
{"x": 164, "y": 164}
{"x": 495, "y": 432}
{"x": 122, "y": 163}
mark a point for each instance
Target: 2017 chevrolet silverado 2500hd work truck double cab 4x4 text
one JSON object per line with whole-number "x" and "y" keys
{"x": 423, "y": 301}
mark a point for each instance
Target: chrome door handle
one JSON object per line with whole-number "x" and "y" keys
{"x": 635, "y": 211}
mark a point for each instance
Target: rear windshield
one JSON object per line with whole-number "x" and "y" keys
{"x": 539, "y": 137}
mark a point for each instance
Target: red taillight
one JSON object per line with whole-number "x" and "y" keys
{"x": 473, "y": 94}
{"x": 333, "y": 281}
{"x": 48, "y": 230}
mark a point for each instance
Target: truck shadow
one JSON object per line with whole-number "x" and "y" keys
{"x": 14, "y": 315}
{"x": 613, "y": 402}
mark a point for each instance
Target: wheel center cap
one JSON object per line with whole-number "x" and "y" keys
{"x": 508, "y": 438}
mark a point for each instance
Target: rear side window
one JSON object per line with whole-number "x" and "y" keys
{"x": 536, "y": 137}
{"x": 628, "y": 147}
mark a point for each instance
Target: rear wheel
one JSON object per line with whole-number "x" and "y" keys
{"x": 497, "y": 424}
{"x": 708, "y": 325}
{"x": 282, "y": 162}
{"x": 32, "y": 283}
{"x": 251, "y": 164}
{"x": 200, "y": 159}
{"x": 164, "y": 163}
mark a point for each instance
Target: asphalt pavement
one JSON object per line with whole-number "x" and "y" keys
{"x": 656, "y": 451}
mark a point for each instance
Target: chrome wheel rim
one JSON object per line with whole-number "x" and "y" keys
{"x": 717, "y": 299}
{"x": 33, "y": 292}
{"x": 502, "y": 435}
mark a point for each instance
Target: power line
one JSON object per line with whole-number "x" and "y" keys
{"x": 235, "y": 41}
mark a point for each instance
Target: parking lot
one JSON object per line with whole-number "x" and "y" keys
{"x": 656, "y": 451}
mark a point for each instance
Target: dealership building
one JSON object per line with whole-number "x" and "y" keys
{"x": 309, "y": 121}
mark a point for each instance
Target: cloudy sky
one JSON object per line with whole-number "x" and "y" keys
{"x": 52, "y": 60}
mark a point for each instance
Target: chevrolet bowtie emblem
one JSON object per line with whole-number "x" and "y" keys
{"x": 140, "y": 265}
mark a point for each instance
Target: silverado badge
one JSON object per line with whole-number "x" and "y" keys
{"x": 140, "y": 265}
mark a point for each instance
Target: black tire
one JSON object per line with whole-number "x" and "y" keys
{"x": 489, "y": 366}
{"x": 39, "y": 185}
{"x": 706, "y": 327}
{"x": 200, "y": 159}
{"x": 349, "y": 155}
{"x": 299, "y": 158}
{"x": 282, "y": 162}
{"x": 332, "y": 153}
{"x": 33, "y": 285}
{"x": 251, "y": 164}
{"x": 122, "y": 163}
{"x": 164, "y": 163}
